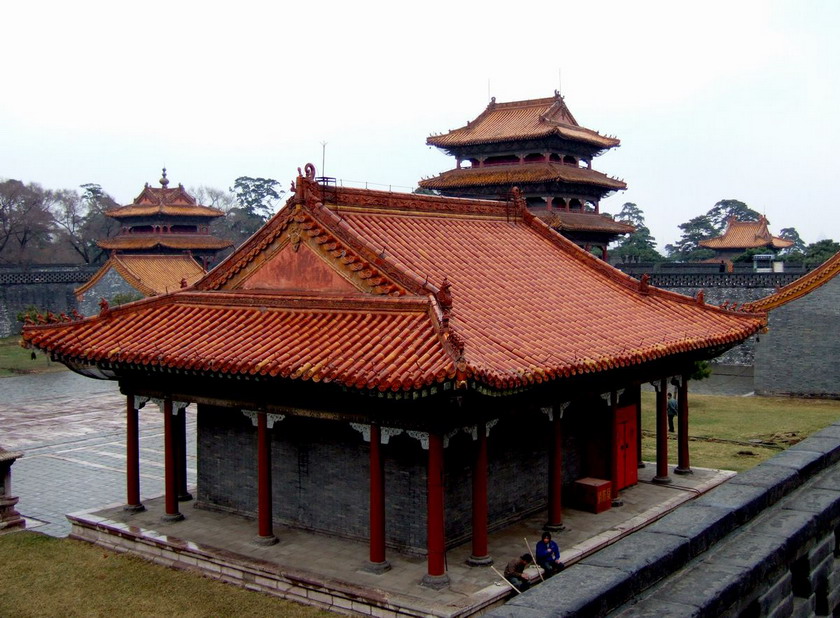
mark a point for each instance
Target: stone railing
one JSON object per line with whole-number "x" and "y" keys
{"x": 762, "y": 544}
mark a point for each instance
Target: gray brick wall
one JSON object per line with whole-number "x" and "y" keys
{"x": 107, "y": 287}
{"x": 799, "y": 354}
{"x": 14, "y": 298}
{"x": 320, "y": 475}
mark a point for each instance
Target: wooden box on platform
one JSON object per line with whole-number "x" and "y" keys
{"x": 594, "y": 495}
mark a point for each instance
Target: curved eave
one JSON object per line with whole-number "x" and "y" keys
{"x": 181, "y": 242}
{"x": 521, "y": 176}
{"x": 538, "y": 375}
{"x": 806, "y": 284}
{"x": 458, "y": 139}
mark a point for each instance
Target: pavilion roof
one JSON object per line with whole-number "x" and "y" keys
{"x": 587, "y": 222}
{"x": 149, "y": 274}
{"x": 746, "y": 235}
{"x": 180, "y": 242}
{"x": 806, "y": 284}
{"x": 517, "y": 120}
{"x": 394, "y": 292}
{"x": 521, "y": 176}
{"x": 162, "y": 200}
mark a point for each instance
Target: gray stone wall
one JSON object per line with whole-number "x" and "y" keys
{"x": 109, "y": 286}
{"x": 766, "y": 543}
{"x": 46, "y": 288}
{"x": 15, "y": 298}
{"x": 320, "y": 475}
{"x": 800, "y": 353}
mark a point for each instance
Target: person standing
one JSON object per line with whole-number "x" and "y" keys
{"x": 548, "y": 555}
{"x": 672, "y": 412}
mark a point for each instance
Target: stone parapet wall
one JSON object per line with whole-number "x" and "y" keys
{"x": 46, "y": 288}
{"x": 763, "y": 544}
{"x": 74, "y": 274}
{"x": 722, "y": 280}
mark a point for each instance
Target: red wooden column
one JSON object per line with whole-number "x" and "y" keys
{"x": 661, "y": 432}
{"x": 683, "y": 466}
{"x": 179, "y": 423}
{"x": 132, "y": 457}
{"x": 637, "y": 398}
{"x": 436, "y": 576}
{"x": 265, "y": 516}
{"x": 555, "y": 471}
{"x": 170, "y": 462}
{"x": 480, "y": 555}
{"x": 378, "y": 563}
{"x": 615, "y": 462}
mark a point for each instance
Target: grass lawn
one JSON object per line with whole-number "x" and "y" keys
{"x": 45, "y": 576}
{"x": 736, "y": 433}
{"x": 14, "y": 360}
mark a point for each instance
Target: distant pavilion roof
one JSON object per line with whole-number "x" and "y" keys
{"x": 587, "y": 222}
{"x": 182, "y": 242}
{"x": 380, "y": 291}
{"x": 521, "y": 176}
{"x": 164, "y": 201}
{"x": 149, "y": 274}
{"x": 517, "y": 120}
{"x": 746, "y": 235}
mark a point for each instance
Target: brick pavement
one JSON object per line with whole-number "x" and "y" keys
{"x": 71, "y": 430}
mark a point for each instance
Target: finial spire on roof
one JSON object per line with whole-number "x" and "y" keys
{"x": 164, "y": 181}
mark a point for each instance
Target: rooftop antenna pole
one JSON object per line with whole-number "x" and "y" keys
{"x": 323, "y": 158}
{"x": 560, "y": 82}
{"x": 488, "y": 89}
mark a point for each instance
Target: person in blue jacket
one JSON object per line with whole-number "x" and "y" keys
{"x": 548, "y": 555}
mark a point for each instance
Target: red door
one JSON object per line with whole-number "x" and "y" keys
{"x": 625, "y": 455}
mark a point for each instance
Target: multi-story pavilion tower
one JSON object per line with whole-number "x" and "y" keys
{"x": 165, "y": 221}
{"x": 538, "y": 146}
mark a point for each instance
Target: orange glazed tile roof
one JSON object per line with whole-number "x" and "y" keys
{"x": 166, "y": 201}
{"x": 149, "y": 274}
{"x": 404, "y": 291}
{"x": 128, "y": 242}
{"x": 521, "y": 175}
{"x": 519, "y": 120}
{"x": 806, "y": 284}
{"x": 587, "y": 222}
{"x": 746, "y": 235}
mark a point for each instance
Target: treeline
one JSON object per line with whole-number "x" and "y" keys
{"x": 641, "y": 246}
{"x": 46, "y": 226}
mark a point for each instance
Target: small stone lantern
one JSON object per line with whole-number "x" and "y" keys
{"x": 9, "y": 517}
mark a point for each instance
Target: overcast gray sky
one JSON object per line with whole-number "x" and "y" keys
{"x": 712, "y": 100}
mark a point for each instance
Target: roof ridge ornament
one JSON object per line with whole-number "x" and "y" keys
{"x": 164, "y": 181}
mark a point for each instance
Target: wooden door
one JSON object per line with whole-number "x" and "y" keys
{"x": 625, "y": 453}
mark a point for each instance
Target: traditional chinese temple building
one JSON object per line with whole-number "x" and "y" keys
{"x": 163, "y": 233}
{"x": 164, "y": 221}
{"x": 368, "y": 363}
{"x": 742, "y": 235}
{"x": 537, "y": 146}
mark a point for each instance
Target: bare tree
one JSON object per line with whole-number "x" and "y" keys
{"x": 82, "y": 221}
{"x": 26, "y": 224}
